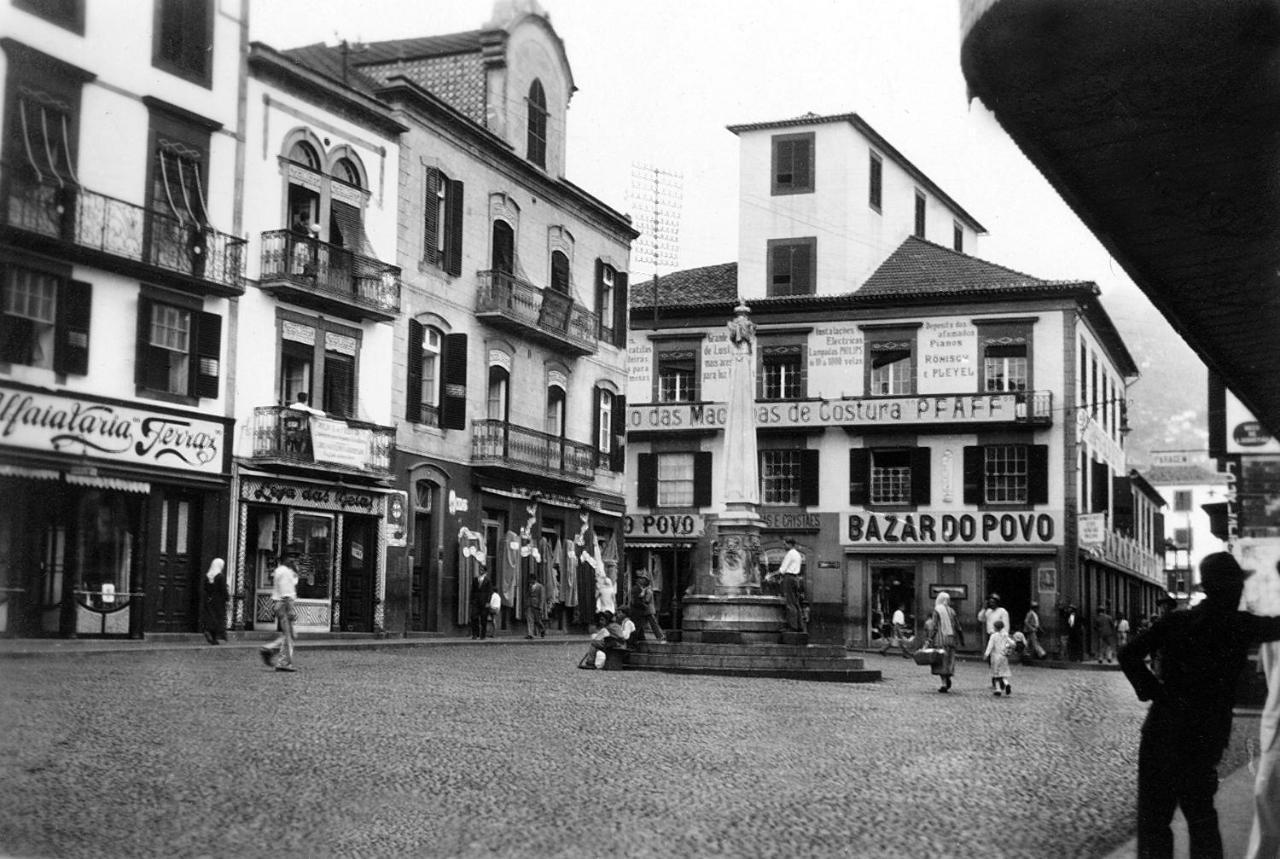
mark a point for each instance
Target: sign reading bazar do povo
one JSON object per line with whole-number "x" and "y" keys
{"x": 880, "y": 411}
{"x": 956, "y": 528}
{"x": 65, "y": 423}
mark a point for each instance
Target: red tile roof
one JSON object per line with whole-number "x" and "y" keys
{"x": 711, "y": 284}
{"x": 921, "y": 268}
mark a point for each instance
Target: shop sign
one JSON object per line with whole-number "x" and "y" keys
{"x": 59, "y": 423}
{"x": 308, "y": 495}
{"x": 340, "y": 443}
{"x": 956, "y": 592}
{"x": 791, "y": 521}
{"x": 663, "y": 525}
{"x": 1091, "y": 528}
{"x": 881, "y": 411}
{"x": 457, "y": 504}
{"x": 397, "y": 523}
{"x": 978, "y": 529}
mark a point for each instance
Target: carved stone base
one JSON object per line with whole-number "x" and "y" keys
{"x": 733, "y": 619}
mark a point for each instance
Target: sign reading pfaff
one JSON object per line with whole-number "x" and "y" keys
{"x": 924, "y": 528}
{"x": 67, "y": 424}
{"x": 888, "y": 411}
{"x": 663, "y": 525}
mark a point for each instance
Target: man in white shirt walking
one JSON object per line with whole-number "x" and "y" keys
{"x": 284, "y": 590}
{"x": 789, "y": 570}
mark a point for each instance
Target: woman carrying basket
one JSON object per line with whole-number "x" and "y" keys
{"x": 946, "y": 636}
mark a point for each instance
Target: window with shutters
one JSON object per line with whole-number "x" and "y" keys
{"x": 891, "y": 366}
{"x": 604, "y": 305}
{"x": 792, "y": 263}
{"x": 875, "y": 182}
{"x": 611, "y": 304}
{"x": 179, "y": 348}
{"x": 560, "y": 272}
{"x": 780, "y": 476}
{"x": 920, "y": 215}
{"x": 1005, "y": 474}
{"x": 604, "y": 420}
{"x": 793, "y": 163}
{"x": 675, "y": 479}
{"x": 957, "y": 237}
{"x": 321, "y": 359}
{"x": 555, "y": 411}
{"x": 68, "y": 14}
{"x": 498, "y": 401}
{"x": 537, "y": 137}
{"x": 429, "y": 400}
{"x": 442, "y": 222}
{"x": 677, "y": 376}
{"x": 44, "y": 319}
{"x": 890, "y": 476}
{"x": 183, "y": 39}
{"x": 1182, "y": 500}
{"x": 782, "y": 371}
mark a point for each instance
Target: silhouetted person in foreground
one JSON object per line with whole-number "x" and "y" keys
{"x": 1202, "y": 652}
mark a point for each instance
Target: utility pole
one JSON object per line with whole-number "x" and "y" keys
{"x": 655, "y": 198}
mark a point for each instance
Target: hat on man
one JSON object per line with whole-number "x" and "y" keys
{"x": 790, "y": 541}
{"x": 1220, "y": 572}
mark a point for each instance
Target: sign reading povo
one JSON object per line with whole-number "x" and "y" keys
{"x": 1021, "y": 528}
{"x": 671, "y": 525}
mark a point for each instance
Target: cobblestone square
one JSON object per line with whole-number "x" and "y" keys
{"x": 502, "y": 750}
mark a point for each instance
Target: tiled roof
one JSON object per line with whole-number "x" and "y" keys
{"x": 1179, "y": 475}
{"x": 921, "y": 268}
{"x": 327, "y": 60}
{"x": 419, "y": 48}
{"x": 707, "y": 285}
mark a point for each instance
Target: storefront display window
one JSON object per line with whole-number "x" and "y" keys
{"x": 315, "y": 567}
{"x": 104, "y": 550}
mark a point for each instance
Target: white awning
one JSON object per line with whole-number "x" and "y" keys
{"x": 29, "y": 473}
{"x": 117, "y": 483}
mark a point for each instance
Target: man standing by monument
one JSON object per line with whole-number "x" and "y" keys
{"x": 789, "y": 570}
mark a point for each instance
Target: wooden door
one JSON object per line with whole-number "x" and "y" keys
{"x": 359, "y": 566}
{"x": 173, "y": 591}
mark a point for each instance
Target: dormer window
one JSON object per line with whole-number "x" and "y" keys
{"x": 537, "y": 124}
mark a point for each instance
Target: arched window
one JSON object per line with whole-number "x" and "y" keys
{"x": 305, "y": 154}
{"x": 537, "y": 124}
{"x": 346, "y": 171}
{"x": 504, "y": 248}
{"x": 560, "y": 272}
{"x": 555, "y": 411}
{"x": 499, "y": 383}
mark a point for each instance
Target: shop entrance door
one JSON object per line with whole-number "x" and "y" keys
{"x": 173, "y": 590}
{"x": 891, "y": 586}
{"x": 1014, "y": 586}
{"x": 359, "y": 566}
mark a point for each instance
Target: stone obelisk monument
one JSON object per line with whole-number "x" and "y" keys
{"x": 727, "y": 605}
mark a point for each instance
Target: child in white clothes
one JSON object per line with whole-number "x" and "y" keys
{"x": 999, "y": 646}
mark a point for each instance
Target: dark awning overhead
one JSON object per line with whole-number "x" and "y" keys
{"x": 1158, "y": 121}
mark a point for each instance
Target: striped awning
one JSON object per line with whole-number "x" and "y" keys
{"x": 29, "y": 473}
{"x": 117, "y": 483}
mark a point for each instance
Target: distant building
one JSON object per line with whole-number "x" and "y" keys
{"x": 1193, "y": 489}
{"x": 937, "y": 422}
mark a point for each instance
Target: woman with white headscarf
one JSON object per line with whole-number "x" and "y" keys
{"x": 215, "y": 603}
{"x": 947, "y": 635}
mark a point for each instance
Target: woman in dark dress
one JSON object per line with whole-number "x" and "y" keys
{"x": 214, "y": 605}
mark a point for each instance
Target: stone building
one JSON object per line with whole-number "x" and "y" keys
{"x": 926, "y": 420}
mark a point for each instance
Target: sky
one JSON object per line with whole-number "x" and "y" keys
{"x": 659, "y": 81}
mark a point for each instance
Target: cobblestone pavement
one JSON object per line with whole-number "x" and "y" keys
{"x": 507, "y": 750}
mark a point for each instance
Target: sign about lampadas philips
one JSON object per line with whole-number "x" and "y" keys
{"x": 57, "y": 423}
{"x": 1013, "y": 528}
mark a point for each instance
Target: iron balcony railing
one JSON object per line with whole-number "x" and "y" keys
{"x": 283, "y": 434}
{"x": 553, "y": 316}
{"x": 500, "y": 443}
{"x": 73, "y": 215}
{"x": 329, "y": 270}
{"x": 1034, "y": 407}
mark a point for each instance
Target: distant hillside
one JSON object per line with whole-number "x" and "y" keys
{"x": 1168, "y": 404}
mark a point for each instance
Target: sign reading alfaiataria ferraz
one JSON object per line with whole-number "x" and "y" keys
{"x": 935, "y": 527}
{"x": 880, "y": 411}
{"x": 65, "y": 423}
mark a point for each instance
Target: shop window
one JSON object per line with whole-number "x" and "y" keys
{"x": 782, "y": 372}
{"x": 442, "y": 222}
{"x": 891, "y": 367}
{"x": 789, "y": 476}
{"x": 315, "y": 566}
{"x": 793, "y": 163}
{"x": 179, "y": 349}
{"x": 1006, "y": 474}
{"x": 889, "y": 476}
{"x": 183, "y": 39}
{"x": 677, "y": 378}
{"x": 674, "y": 479}
{"x": 44, "y": 320}
{"x": 106, "y": 523}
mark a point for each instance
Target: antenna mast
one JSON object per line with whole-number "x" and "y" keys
{"x": 655, "y": 198}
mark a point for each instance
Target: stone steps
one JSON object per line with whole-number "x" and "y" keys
{"x": 827, "y": 663}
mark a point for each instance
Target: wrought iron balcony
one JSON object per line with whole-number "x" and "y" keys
{"x": 85, "y": 226}
{"x": 545, "y": 315}
{"x": 326, "y": 277}
{"x": 503, "y": 445}
{"x": 288, "y": 436}
{"x": 1035, "y": 408}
